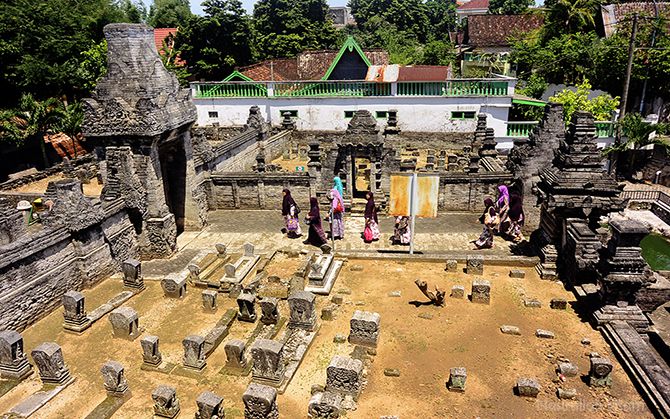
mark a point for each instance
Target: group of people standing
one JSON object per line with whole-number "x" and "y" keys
{"x": 316, "y": 235}
{"x": 504, "y": 217}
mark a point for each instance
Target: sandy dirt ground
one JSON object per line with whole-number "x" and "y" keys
{"x": 461, "y": 334}
{"x": 40, "y": 186}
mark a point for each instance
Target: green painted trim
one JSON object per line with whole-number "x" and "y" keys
{"x": 237, "y": 74}
{"x": 463, "y": 117}
{"x": 351, "y": 45}
{"x": 529, "y": 102}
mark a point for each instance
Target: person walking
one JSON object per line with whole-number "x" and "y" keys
{"x": 516, "y": 218}
{"x": 489, "y": 219}
{"x": 337, "y": 184}
{"x": 290, "y": 211}
{"x": 316, "y": 235}
{"x": 337, "y": 214}
{"x": 371, "y": 232}
{"x": 502, "y": 205}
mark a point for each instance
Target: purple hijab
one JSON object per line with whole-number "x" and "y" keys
{"x": 504, "y": 193}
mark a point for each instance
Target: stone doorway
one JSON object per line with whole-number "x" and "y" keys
{"x": 173, "y": 169}
{"x": 361, "y": 169}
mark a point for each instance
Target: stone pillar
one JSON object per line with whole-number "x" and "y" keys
{"x": 209, "y": 300}
{"x": 268, "y": 366}
{"x": 235, "y": 354}
{"x": 150, "y": 353}
{"x": 247, "y": 309}
{"x": 314, "y": 164}
{"x": 49, "y": 360}
{"x": 269, "y": 311}
{"x": 74, "y": 312}
{"x": 14, "y": 363}
{"x": 114, "y": 379}
{"x": 364, "y": 328}
{"x": 210, "y": 406}
{"x": 194, "y": 352}
{"x": 125, "y": 323}
{"x": 343, "y": 375}
{"x": 166, "y": 403}
{"x": 260, "y": 402}
{"x": 302, "y": 311}
{"x": 132, "y": 274}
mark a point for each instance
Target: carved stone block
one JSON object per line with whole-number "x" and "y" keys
{"x": 325, "y": 405}
{"x": 150, "y": 353}
{"x": 125, "y": 323}
{"x": 13, "y": 360}
{"x": 209, "y": 300}
{"x": 132, "y": 274}
{"x": 74, "y": 312}
{"x": 194, "y": 352}
{"x": 210, "y": 406}
{"x": 174, "y": 286}
{"x": 268, "y": 366}
{"x": 269, "y": 311}
{"x": 457, "y": 377}
{"x": 527, "y": 387}
{"x": 481, "y": 291}
{"x": 49, "y": 360}
{"x": 599, "y": 372}
{"x": 302, "y": 311}
{"x": 343, "y": 375}
{"x": 474, "y": 265}
{"x": 235, "y": 354}
{"x": 364, "y": 328}
{"x": 247, "y": 308}
{"x": 166, "y": 403}
{"x": 260, "y": 402}
{"x": 114, "y": 378}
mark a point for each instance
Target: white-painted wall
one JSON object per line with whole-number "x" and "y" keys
{"x": 415, "y": 114}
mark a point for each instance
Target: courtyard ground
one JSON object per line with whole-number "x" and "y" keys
{"x": 460, "y": 334}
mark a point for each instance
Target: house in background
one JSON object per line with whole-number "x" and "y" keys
{"x": 471, "y": 8}
{"x": 164, "y": 40}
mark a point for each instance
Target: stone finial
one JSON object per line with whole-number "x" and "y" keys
{"x": 343, "y": 375}
{"x": 260, "y": 401}
{"x": 268, "y": 366}
{"x": 114, "y": 378}
{"x": 210, "y": 406}
{"x": 49, "y": 360}
{"x": 235, "y": 354}
{"x": 14, "y": 363}
{"x": 302, "y": 311}
{"x": 364, "y": 328}
{"x": 150, "y": 353}
{"x": 125, "y": 323}
{"x": 269, "y": 311}
{"x": 194, "y": 352}
{"x": 166, "y": 403}
{"x": 74, "y": 312}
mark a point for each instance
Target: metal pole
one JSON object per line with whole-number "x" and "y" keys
{"x": 412, "y": 211}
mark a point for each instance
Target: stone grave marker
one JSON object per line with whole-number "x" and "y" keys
{"x": 194, "y": 352}
{"x": 235, "y": 354}
{"x": 14, "y": 363}
{"x": 268, "y": 366}
{"x": 150, "y": 353}
{"x": 364, "y": 328}
{"x": 49, "y": 360}
{"x": 210, "y": 406}
{"x": 114, "y": 378}
{"x": 174, "y": 285}
{"x": 481, "y": 291}
{"x": 125, "y": 323}
{"x": 209, "y": 300}
{"x": 302, "y": 311}
{"x": 269, "y": 311}
{"x": 260, "y": 402}
{"x": 474, "y": 265}
{"x": 166, "y": 403}
{"x": 132, "y": 274}
{"x": 247, "y": 308}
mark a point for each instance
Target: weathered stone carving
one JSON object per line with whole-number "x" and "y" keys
{"x": 174, "y": 285}
{"x": 114, "y": 378}
{"x": 150, "y": 353}
{"x": 209, "y": 300}
{"x": 210, "y": 406}
{"x": 481, "y": 291}
{"x": 260, "y": 402}
{"x": 13, "y": 360}
{"x": 268, "y": 366}
{"x": 255, "y": 121}
{"x": 325, "y": 405}
{"x": 362, "y": 123}
{"x": 343, "y": 375}
{"x": 71, "y": 208}
{"x": 364, "y": 328}
{"x": 302, "y": 311}
{"x": 166, "y": 403}
{"x": 194, "y": 352}
{"x": 474, "y": 265}
{"x": 74, "y": 312}
{"x": 125, "y": 323}
{"x": 12, "y": 225}
{"x": 599, "y": 372}
{"x": 49, "y": 360}
{"x": 235, "y": 354}
{"x": 269, "y": 311}
{"x": 132, "y": 274}
{"x": 247, "y": 308}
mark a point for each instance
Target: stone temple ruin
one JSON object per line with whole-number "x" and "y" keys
{"x": 209, "y": 318}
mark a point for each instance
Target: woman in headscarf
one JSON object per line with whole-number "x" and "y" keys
{"x": 337, "y": 184}
{"x": 337, "y": 214}
{"x": 516, "y": 217}
{"x": 402, "y": 233}
{"x": 290, "y": 211}
{"x": 371, "y": 232}
{"x": 316, "y": 235}
{"x": 489, "y": 219}
{"x": 502, "y": 205}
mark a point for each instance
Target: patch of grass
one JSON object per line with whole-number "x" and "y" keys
{"x": 656, "y": 251}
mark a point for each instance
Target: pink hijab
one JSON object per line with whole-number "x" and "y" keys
{"x": 336, "y": 198}
{"x": 504, "y": 193}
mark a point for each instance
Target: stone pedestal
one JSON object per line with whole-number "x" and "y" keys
{"x": 114, "y": 379}
{"x": 268, "y": 366}
{"x": 49, "y": 360}
{"x": 166, "y": 403}
{"x": 364, "y": 328}
{"x": 150, "y": 353}
{"x": 194, "y": 352}
{"x": 13, "y": 361}
{"x": 302, "y": 311}
{"x": 74, "y": 312}
{"x": 210, "y": 406}
{"x": 260, "y": 402}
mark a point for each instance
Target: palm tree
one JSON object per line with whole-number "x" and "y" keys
{"x": 570, "y": 16}
{"x": 72, "y": 116}
{"x": 31, "y": 121}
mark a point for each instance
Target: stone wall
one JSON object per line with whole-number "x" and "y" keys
{"x": 256, "y": 190}
{"x": 85, "y": 162}
{"x": 466, "y": 192}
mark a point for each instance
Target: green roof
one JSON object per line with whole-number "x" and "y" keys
{"x": 526, "y": 100}
{"x": 349, "y": 45}
{"x": 237, "y": 74}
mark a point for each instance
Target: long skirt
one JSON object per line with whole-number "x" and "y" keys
{"x": 316, "y": 235}
{"x": 485, "y": 240}
{"x": 515, "y": 230}
{"x": 291, "y": 229}
{"x": 337, "y": 224}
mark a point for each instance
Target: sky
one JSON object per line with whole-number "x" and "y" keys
{"x": 248, "y": 4}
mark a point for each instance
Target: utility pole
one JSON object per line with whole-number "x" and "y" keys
{"x": 624, "y": 95}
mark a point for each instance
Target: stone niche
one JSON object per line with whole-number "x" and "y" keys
{"x": 138, "y": 119}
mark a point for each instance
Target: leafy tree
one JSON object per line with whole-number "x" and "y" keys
{"x": 442, "y": 17}
{"x": 638, "y": 132}
{"x": 534, "y": 87}
{"x": 509, "y": 7}
{"x": 91, "y": 65}
{"x": 133, "y": 11}
{"x": 31, "y": 121}
{"x": 601, "y": 107}
{"x": 214, "y": 44}
{"x": 438, "y": 53}
{"x": 172, "y": 61}
{"x": 410, "y": 16}
{"x": 570, "y": 16}
{"x": 283, "y": 28}
{"x": 71, "y": 118}
{"x": 169, "y": 13}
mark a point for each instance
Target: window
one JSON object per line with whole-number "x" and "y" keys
{"x": 381, "y": 114}
{"x": 213, "y": 114}
{"x": 293, "y": 113}
{"x": 463, "y": 115}
{"x": 349, "y": 114}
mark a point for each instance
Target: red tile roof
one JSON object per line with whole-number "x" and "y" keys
{"x": 161, "y": 37}
{"x": 424, "y": 73}
{"x": 278, "y": 69}
{"x": 495, "y": 30}
{"x": 612, "y": 14}
{"x": 474, "y": 4}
